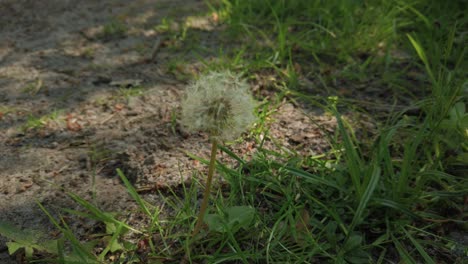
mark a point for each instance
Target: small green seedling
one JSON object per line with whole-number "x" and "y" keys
{"x": 27, "y": 239}
{"x": 231, "y": 220}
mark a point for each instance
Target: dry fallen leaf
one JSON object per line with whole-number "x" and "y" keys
{"x": 119, "y": 107}
{"x": 215, "y": 17}
{"x": 72, "y": 123}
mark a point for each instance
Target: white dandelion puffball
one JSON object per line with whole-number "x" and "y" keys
{"x": 218, "y": 103}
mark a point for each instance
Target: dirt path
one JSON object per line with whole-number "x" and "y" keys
{"x": 83, "y": 91}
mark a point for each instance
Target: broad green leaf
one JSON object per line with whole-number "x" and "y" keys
{"x": 110, "y": 228}
{"x": 214, "y": 222}
{"x": 50, "y": 246}
{"x": 240, "y": 217}
{"x": 115, "y": 245}
{"x": 13, "y": 247}
{"x": 28, "y": 251}
{"x": 357, "y": 256}
{"x": 464, "y": 125}
{"x": 28, "y": 239}
{"x": 113, "y": 242}
{"x": 352, "y": 243}
{"x": 22, "y": 236}
{"x": 457, "y": 111}
{"x": 234, "y": 218}
{"x": 330, "y": 233}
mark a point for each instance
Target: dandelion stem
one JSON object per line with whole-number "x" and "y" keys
{"x": 206, "y": 194}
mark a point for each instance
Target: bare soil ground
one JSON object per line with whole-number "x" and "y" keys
{"x": 84, "y": 91}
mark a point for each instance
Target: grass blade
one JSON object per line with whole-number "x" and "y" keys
{"x": 419, "y": 248}
{"x": 423, "y": 57}
{"x": 309, "y": 177}
{"x": 232, "y": 154}
{"x": 404, "y": 255}
{"x": 374, "y": 180}
{"x": 397, "y": 206}
{"x": 353, "y": 160}
{"x": 134, "y": 193}
{"x": 80, "y": 250}
{"x": 103, "y": 216}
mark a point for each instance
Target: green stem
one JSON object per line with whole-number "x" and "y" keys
{"x": 206, "y": 194}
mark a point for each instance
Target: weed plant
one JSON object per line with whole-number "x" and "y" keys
{"x": 399, "y": 199}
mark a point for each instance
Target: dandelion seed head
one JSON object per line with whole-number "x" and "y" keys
{"x": 218, "y": 103}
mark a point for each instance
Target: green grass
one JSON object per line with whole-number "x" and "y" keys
{"x": 34, "y": 122}
{"x": 114, "y": 29}
{"x": 33, "y": 87}
{"x": 395, "y": 199}
{"x": 132, "y": 91}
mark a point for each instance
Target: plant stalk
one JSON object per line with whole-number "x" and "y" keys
{"x": 206, "y": 194}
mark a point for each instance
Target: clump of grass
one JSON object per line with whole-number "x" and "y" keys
{"x": 114, "y": 29}
{"x": 132, "y": 91}
{"x": 33, "y": 88}
{"x": 34, "y": 122}
{"x": 6, "y": 110}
